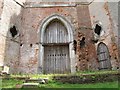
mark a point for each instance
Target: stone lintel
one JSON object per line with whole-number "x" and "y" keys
{"x": 49, "y": 5}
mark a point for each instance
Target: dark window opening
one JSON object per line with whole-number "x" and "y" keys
{"x": 82, "y": 42}
{"x": 21, "y": 44}
{"x": 30, "y": 45}
{"x": 13, "y": 31}
{"x": 75, "y": 45}
{"x": 98, "y": 29}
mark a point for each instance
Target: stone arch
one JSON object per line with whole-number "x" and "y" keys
{"x": 69, "y": 28}
{"x": 63, "y": 20}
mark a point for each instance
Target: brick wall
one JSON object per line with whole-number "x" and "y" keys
{"x": 22, "y": 52}
{"x": 104, "y": 12}
{"x": 87, "y": 59}
{"x": 9, "y": 46}
{"x": 79, "y": 18}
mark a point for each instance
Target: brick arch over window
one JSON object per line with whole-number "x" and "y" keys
{"x": 69, "y": 31}
{"x": 103, "y": 56}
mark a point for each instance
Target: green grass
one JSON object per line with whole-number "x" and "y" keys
{"x": 49, "y": 76}
{"x": 97, "y": 72}
{"x": 94, "y": 85}
{"x": 12, "y": 83}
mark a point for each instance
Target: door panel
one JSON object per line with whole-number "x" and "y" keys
{"x": 56, "y": 32}
{"x": 56, "y": 59}
{"x": 103, "y": 56}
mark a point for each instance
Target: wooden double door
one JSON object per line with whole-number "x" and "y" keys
{"x": 56, "y": 59}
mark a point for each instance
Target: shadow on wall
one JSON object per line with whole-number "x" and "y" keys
{"x": 12, "y": 50}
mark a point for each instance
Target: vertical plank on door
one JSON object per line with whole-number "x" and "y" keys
{"x": 56, "y": 59}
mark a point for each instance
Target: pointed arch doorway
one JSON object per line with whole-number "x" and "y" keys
{"x": 56, "y": 53}
{"x": 103, "y": 56}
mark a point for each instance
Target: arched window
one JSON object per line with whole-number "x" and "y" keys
{"x": 103, "y": 56}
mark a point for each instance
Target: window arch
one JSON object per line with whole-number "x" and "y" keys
{"x": 103, "y": 56}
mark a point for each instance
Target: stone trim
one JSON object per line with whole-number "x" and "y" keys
{"x": 49, "y": 5}
{"x": 65, "y": 4}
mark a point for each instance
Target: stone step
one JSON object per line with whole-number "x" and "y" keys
{"x": 30, "y": 85}
{"x": 41, "y": 81}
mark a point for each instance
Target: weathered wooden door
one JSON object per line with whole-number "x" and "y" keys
{"x": 56, "y": 59}
{"x": 103, "y": 57}
{"x": 56, "y": 48}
